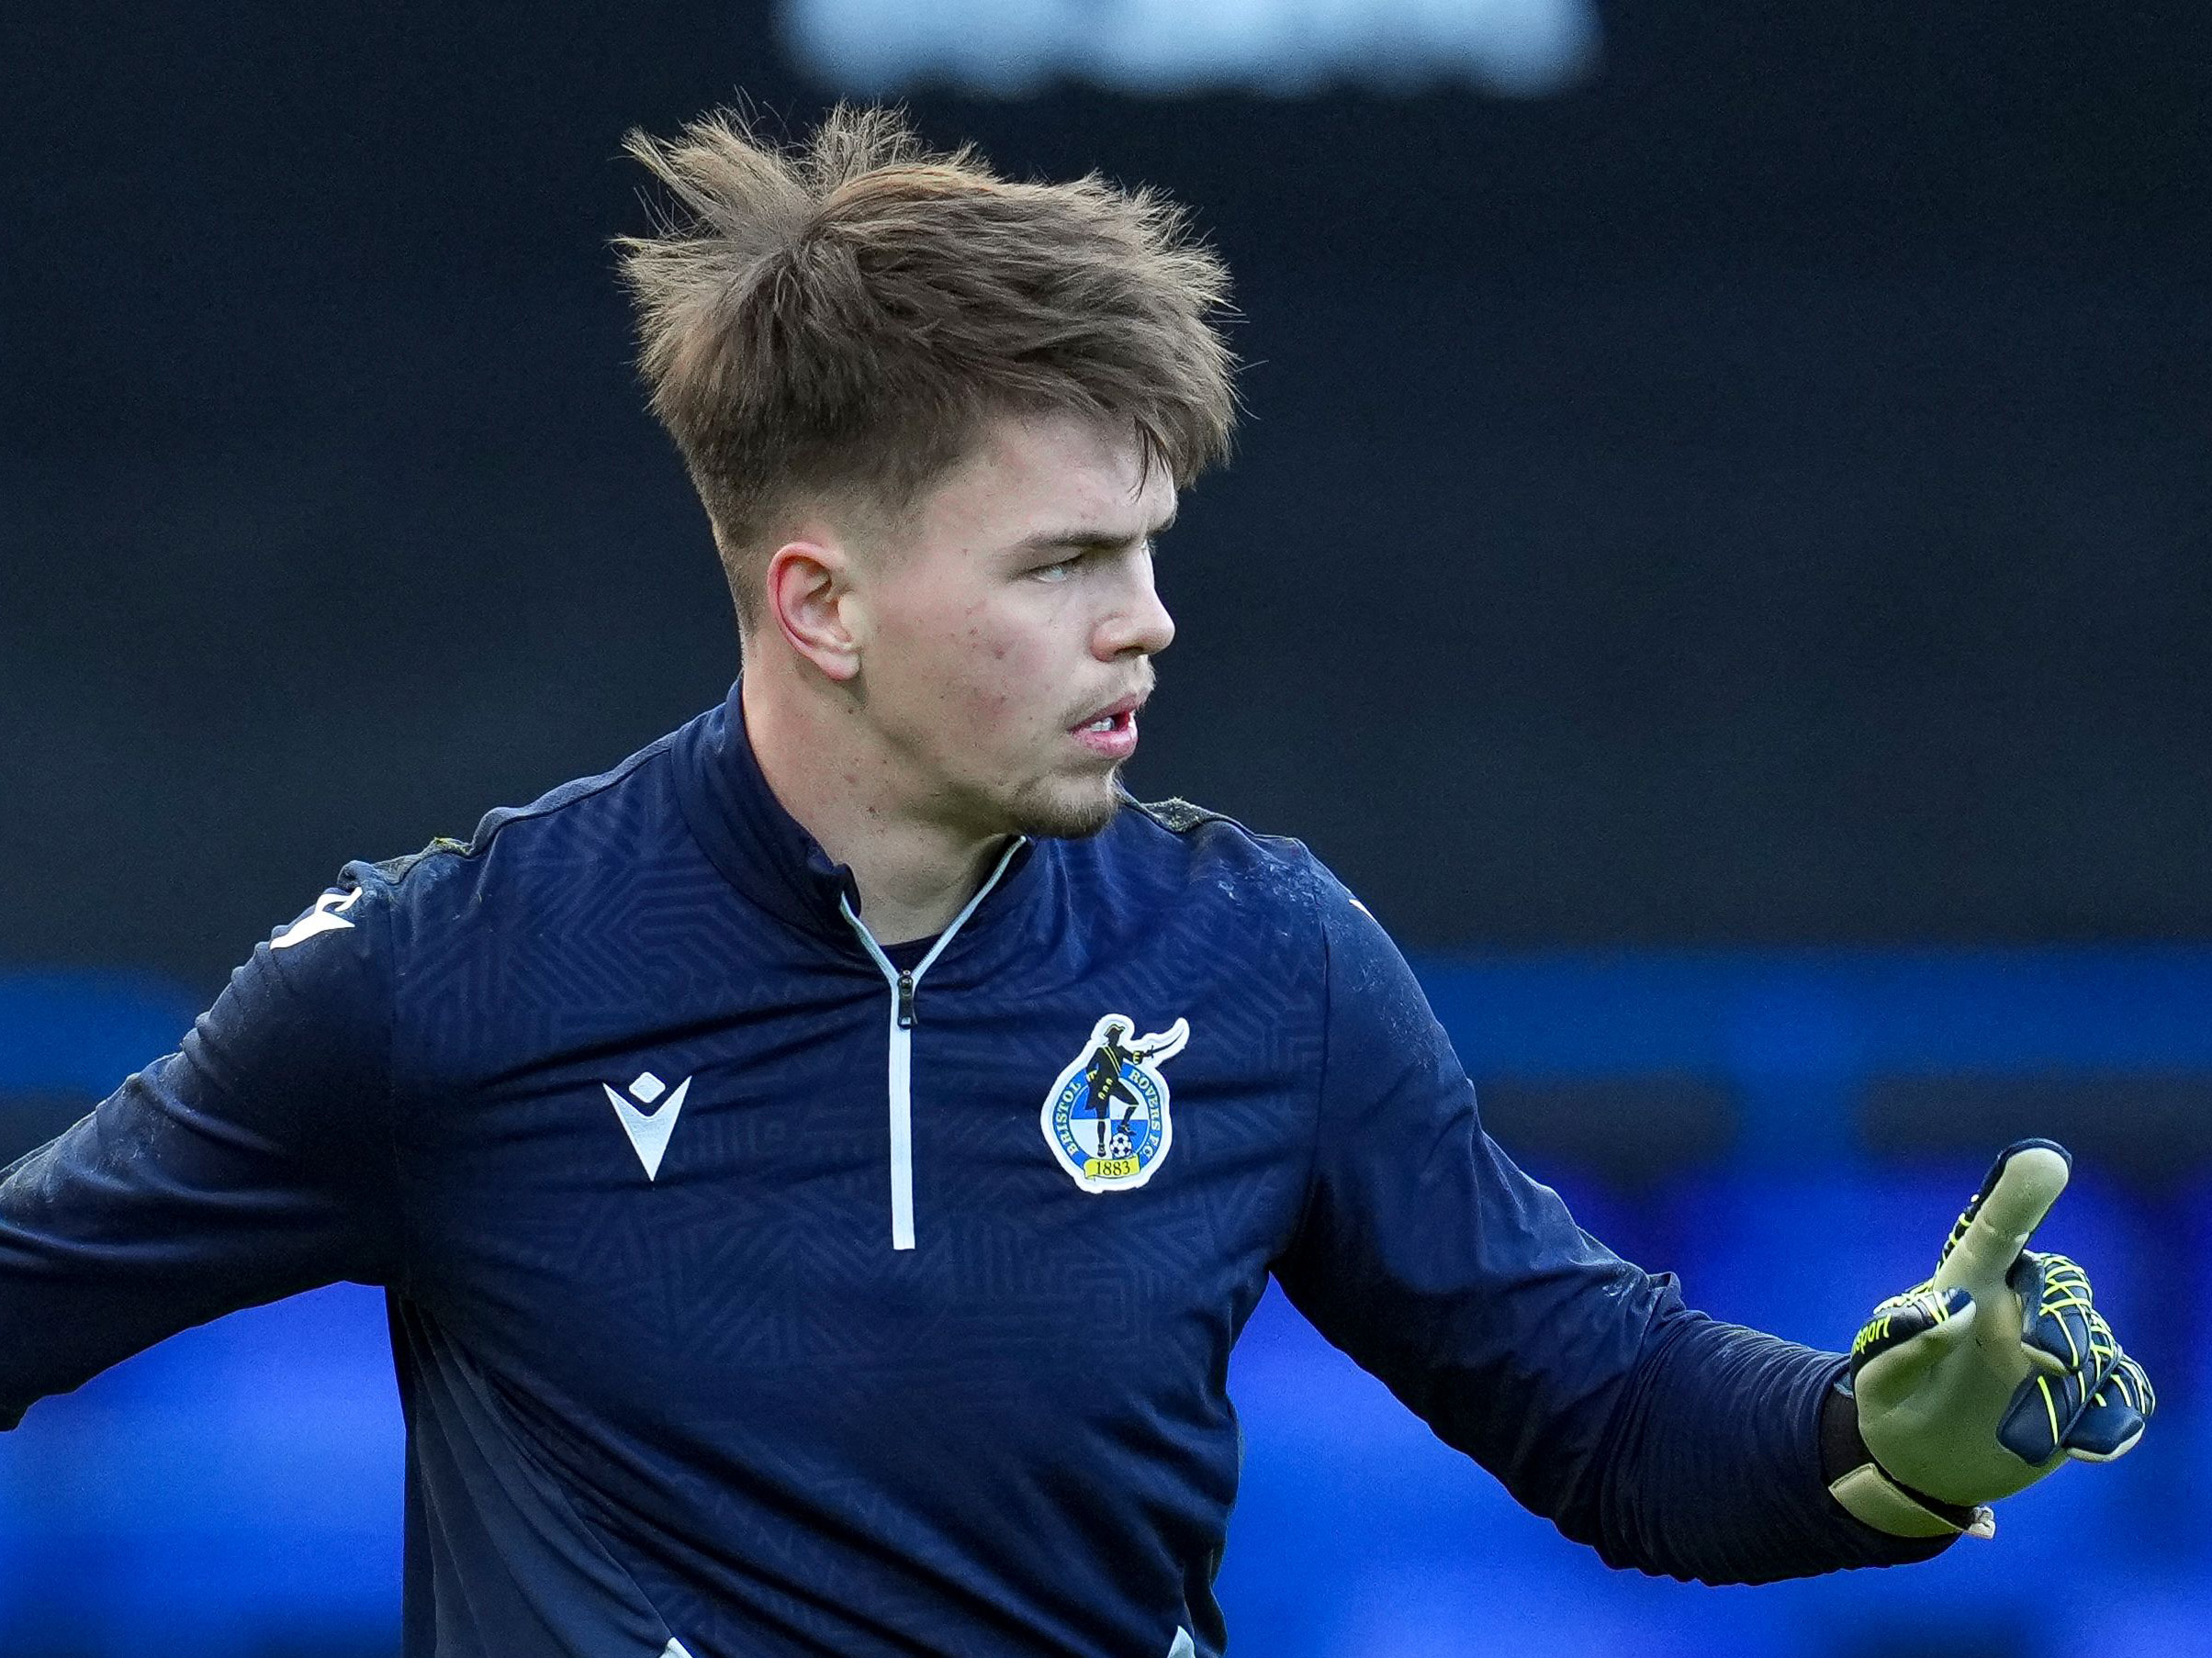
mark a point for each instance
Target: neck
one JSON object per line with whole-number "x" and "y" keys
{"x": 915, "y": 874}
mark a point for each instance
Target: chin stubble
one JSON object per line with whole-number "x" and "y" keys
{"x": 1036, "y": 813}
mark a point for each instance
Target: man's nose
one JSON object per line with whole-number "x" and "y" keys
{"x": 1141, "y": 627}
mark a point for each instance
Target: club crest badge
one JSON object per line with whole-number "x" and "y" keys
{"x": 1107, "y": 1118}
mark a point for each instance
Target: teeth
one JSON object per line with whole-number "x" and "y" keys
{"x": 1103, "y": 723}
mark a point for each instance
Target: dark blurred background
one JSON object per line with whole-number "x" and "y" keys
{"x": 1717, "y": 558}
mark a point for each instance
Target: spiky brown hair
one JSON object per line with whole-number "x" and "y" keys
{"x": 836, "y": 320}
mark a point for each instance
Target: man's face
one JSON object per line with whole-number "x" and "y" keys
{"x": 1005, "y": 641}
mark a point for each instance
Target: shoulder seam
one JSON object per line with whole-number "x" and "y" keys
{"x": 566, "y": 794}
{"x": 397, "y": 870}
{"x": 1180, "y": 816}
{"x": 394, "y": 870}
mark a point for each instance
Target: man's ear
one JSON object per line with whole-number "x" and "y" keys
{"x": 810, "y": 599}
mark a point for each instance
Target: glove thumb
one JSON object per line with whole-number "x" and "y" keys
{"x": 1903, "y": 1344}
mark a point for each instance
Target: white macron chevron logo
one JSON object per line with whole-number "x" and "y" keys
{"x": 649, "y": 1129}
{"x": 326, "y": 917}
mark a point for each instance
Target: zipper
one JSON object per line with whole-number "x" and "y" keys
{"x": 899, "y": 1071}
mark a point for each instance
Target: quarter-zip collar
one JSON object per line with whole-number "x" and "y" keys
{"x": 899, "y": 1071}
{"x": 761, "y": 848}
{"x": 770, "y": 857}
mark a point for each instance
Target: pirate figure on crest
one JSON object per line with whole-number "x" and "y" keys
{"x": 1107, "y": 1118}
{"x": 1103, "y": 1077}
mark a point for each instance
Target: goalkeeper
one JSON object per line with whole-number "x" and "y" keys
{"x": 819, "y": 1168}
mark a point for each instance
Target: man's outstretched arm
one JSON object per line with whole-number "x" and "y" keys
{"x": 1667, "y": 1441}
{"x": 255, "y": 1162}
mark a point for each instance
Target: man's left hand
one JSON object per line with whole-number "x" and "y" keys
{"x": 1985, "y": 1378}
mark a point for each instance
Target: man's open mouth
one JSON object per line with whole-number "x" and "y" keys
{"x": 1112, "y": 731}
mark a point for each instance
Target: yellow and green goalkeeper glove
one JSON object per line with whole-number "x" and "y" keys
{"x": 1985, "y": 1378}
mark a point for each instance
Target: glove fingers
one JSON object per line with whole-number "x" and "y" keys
{"x": 2105, "y": 1431}
{"x": 2082, "y": 1406}
{"x": 2035, "y": 1423}
{"x": 1905, "y": 1339}
{"x": 2133, "y": 1385}
{"x": 2059, "y": 1329}
{"x": 2115, "y": 1418}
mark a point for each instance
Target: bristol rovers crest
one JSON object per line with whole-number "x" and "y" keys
{"x": 1106, "y": 1118}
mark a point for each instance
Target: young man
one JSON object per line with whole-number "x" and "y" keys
{"x": 820, "y": 1167}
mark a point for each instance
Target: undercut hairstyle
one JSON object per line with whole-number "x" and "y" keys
{"x": 833, "y": 323}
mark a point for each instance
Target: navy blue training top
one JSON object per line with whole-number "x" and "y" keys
{"x": 758, "y": 1294}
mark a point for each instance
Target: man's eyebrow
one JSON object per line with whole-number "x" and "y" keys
{"x": 1092, "y": 541}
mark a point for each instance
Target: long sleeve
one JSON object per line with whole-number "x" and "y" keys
{"x": 253, "y": 1163}
{"x": 1665, "y": 1439}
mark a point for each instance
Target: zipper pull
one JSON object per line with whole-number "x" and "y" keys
{"x": 905, "y": 1000}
